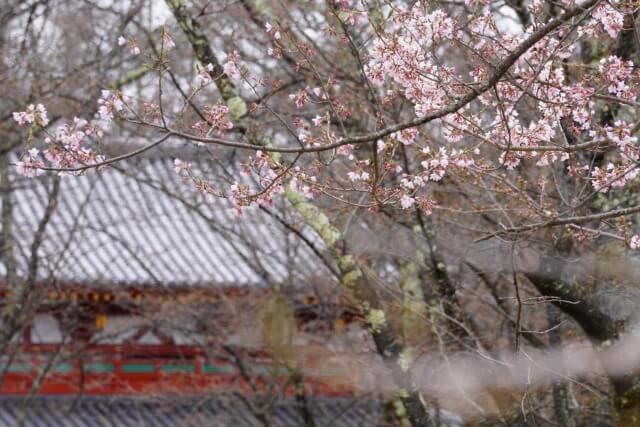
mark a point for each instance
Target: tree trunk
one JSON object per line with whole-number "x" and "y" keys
{"x": 352, "y": 277}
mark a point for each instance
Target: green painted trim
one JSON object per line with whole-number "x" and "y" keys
{"x": 100, "y": 368}
{"x": 217, "y": 369}
{"x": 17, "y": 367}
{"x": 63, "y": 368}
{"x": 177, "y": 368}
{"x": 138, "y": 368}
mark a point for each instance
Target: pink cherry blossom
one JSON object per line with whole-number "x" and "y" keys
{"x": 111, "y": 103}
{"x": 182, "y": 168}
{"x": 231, "y": 67}
{"x": 300, "y": 98}
{"x": 610, "y": 19}
{"x": 204, "y": 75}
{"x": 30, "y": 165}
{"x": 272, "y": 31}
{"x": 616, "y": 72}
{"x": 167, "y": 41}
{"x": 358, "y": 175}
{"x": 407, "y": 201}
{"x": 33, "y": 114}
{"x": 217, "y": 118}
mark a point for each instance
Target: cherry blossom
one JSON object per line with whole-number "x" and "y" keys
{"x": 407, "y": 201}
{"x": 610, "y": 19}
{"x": 298, "y": 183}
{"x": 167, "y": 40}
{"x": 204, "y": 75}
{"x": 512, "y": 124}
{"x": 318, "y": 120}
{"x": 131, "y": 44}
{"x": 111, "y": 103}
{"x": 613, "y": 176}
{"x": 182, "y": 168}
{"x": 274, "y": 52}
{"x": 272, "y": 31}
{"x": 616, "y": 72}
{"x": 404, "y": 65}
{"x": 231, "y": 67}
{"x": 30, "y": 165}
{"x": 34, "y": 114}
{"x": 217, "y": 118}
{"x": 358, "y": 176}
{"x": 300, "y": 98}
{"x": 426, "y": 205}
{"x": 406, "y": 137}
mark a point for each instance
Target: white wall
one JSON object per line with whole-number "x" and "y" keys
{"x": 45, "y": 330}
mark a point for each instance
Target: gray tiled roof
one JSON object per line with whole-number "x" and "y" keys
{"x": 210, "y": 411}
{"x": 143, "y": 225}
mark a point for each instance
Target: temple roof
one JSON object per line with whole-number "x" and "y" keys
{"x": 211, "y": 410}
{"x": 142, "y": 224}
{"x": 208, "y": 411}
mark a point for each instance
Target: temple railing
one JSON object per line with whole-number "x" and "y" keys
{"x": 105, "y": 369}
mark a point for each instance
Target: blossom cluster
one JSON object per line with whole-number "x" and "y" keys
{"x": 130, "y": 42}
{"x": 204, "y": 76}
{"x": 67, "y": 147}
{"x": 529, "y": 115}
{"x": 403, "y": 59}
{"x": 33, "y": 114}
{"x": 232, "y": 67}
{"x": 111, "y": 103}
{"x": 217, "y": 118}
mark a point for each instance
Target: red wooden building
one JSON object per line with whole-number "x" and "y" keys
{"x": 145, "y": 287}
